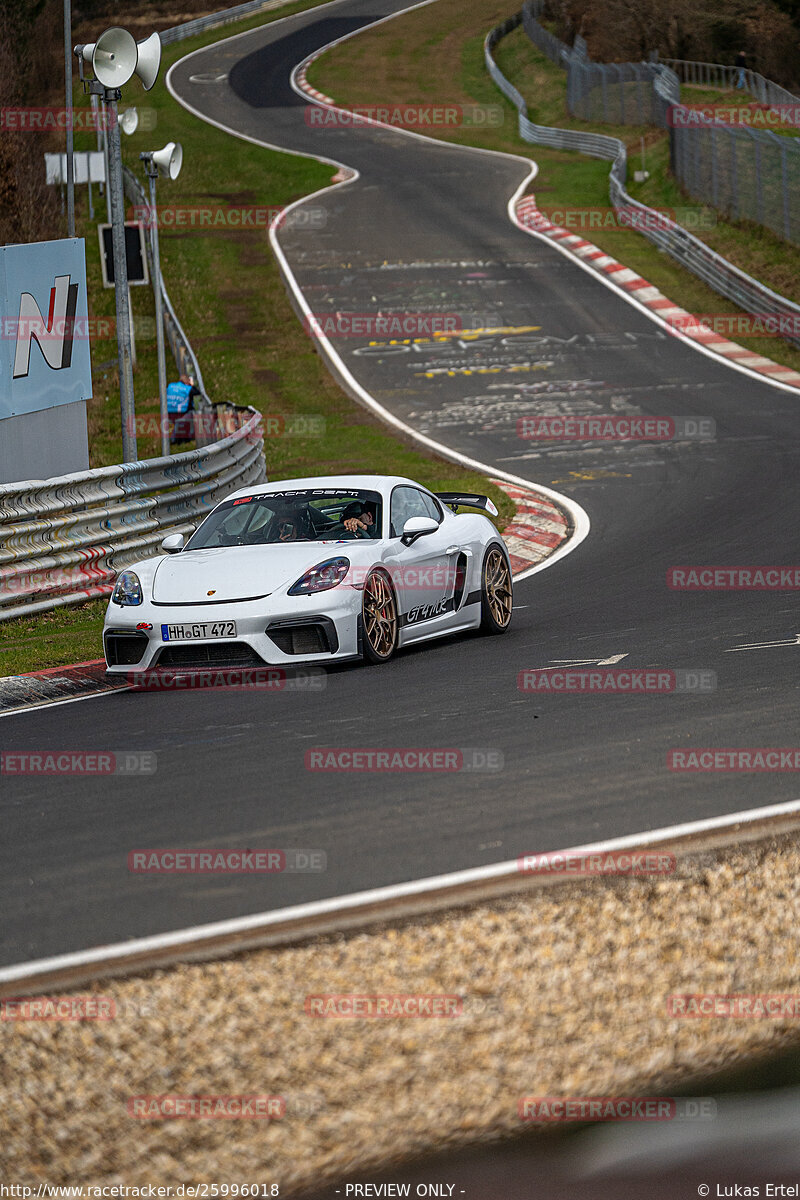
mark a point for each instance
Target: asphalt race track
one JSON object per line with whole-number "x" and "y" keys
{"x": 425, "y": 228}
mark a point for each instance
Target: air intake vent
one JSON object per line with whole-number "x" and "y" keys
{"x": 306, "y": 638}
{"x": 125, "y": 649}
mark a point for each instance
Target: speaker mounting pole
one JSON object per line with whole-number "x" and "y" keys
{"x": 121, "y": 290}
{"x": 69, "y": 115}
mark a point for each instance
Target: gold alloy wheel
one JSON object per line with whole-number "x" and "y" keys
{"x": 498, "y": 587}
{"x": 380, "y": 615}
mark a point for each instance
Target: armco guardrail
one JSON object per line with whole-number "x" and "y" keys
{"x": 63, "y": 540}
{"x": 717, "y": 75}
{"x": 179, "y": 33}
{"x": 684, "y": 247}
{"x": 728, "y": 155}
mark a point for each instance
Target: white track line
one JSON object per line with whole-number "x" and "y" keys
{"x": 183, "y": 939}
{"x": 578, "y": 516}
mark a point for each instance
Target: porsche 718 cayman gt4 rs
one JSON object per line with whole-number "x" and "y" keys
{"x": 312, "y": 570}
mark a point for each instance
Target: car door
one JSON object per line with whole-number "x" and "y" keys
{"x": 422, "y": 572}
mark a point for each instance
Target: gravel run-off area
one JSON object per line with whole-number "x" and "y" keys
{"x": 564, "y": 993}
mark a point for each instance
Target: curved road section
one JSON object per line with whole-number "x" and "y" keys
{"x": 424, "y": 229}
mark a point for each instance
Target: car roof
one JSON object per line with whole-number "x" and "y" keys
{"x": 371, "y": 483}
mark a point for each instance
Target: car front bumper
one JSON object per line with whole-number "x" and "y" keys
{"x": 325, "y": 625}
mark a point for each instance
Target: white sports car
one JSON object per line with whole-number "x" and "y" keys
{"x": 312, "y": 570}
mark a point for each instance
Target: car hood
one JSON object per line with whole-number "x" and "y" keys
{"x": 238, "y": 572}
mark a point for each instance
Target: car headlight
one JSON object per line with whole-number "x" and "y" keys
{"x": 127, "y": 589}
{"x": 320, "y": 578}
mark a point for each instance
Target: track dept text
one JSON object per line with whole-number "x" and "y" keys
{"x": 214, "y": 1107}
{"x": 59, "y": 1008}
{"x": 708, "y": 1004}
{"x": 596, "y": 1108}
{"x": 635, "y": 863}
{"x": 763, "y": 759}
{"x": 384, "y": 1006}
{"x": 734, "y": 578}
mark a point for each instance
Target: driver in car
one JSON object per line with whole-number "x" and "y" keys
{"x": 359, "y": 519}
{"x": 290, "y": 524}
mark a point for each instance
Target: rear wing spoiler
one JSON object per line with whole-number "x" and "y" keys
{"x": 466, "y": 499}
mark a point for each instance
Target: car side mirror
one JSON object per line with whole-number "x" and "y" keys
{"x": 417, "y": 527}
{"x": 174, "y": 543}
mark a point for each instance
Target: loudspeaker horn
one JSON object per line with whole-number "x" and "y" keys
{"x": 113, "y": 57}
{"x": 149, "y": 60}
{"x": 169, "y": 160}
{"x": 128, "y": 120}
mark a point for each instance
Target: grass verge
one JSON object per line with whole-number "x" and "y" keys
{"x": 230, "y": 298}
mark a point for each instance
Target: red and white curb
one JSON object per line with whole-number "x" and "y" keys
{"x": 537, "y": 529}
{"x": 686, "y": 325}
{"x": 306, "y": 86}
{"x": 74, "y": 682}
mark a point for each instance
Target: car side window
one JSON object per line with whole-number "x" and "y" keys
{"x": 407, "y": 502}
{"x": 432, "y": 507}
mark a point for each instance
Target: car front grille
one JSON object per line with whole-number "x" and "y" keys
{"x": 204, "y": 654}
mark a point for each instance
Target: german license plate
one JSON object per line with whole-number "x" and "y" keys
{"x": 203, "y": 631}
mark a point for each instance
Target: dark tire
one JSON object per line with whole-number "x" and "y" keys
{"x": 496, "y": 592}
{"x": 380, "y": 626}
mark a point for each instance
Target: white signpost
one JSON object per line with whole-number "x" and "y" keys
{"x": 45, "y": 360}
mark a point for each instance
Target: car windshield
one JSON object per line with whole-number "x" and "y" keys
{"x": 312, "y": 515}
